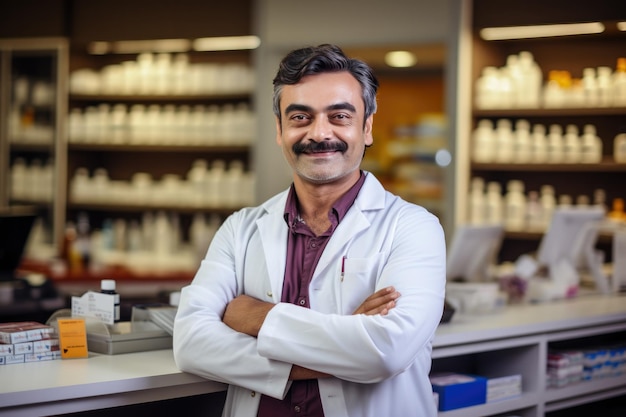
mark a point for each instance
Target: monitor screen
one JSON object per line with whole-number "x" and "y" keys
{"x": 473, "y": 251}
{"x": 15, "y": 226}
{"x": 568, "y": 235}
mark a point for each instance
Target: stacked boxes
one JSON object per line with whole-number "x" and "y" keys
{"x": 27, "y": 342}
{"x": 567, "y": 367}
{"x": 604, "y": 362}
{"x": 564, "y": 368}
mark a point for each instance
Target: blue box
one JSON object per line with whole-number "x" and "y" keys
{"x": 459, "y": 390}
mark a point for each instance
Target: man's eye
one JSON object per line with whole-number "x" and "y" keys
{"x": 298, "y": 117}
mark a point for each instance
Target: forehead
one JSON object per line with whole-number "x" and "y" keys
{"x": 321, "y": 90}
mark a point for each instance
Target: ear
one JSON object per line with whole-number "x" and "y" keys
{"x": 367, "y": 131}
{"x": 279, "y": 131}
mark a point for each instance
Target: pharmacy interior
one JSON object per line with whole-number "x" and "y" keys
{"x": 125, "y": 145}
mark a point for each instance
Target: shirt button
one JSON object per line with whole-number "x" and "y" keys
{"x": 296, "y": 409}
{"x": 270, "y": 294}
{"x": 253, "y": 393}
{"x": 302, "y": 302}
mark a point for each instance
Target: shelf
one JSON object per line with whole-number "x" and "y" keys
{"x": 550, "y": 112}
{"x": 607, "y": 165}
{"x": 164, "y": 98}
{"x": 143, "y": 208}
{"x": 156, "y": 148}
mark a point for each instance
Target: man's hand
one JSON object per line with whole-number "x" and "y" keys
{"x": 379, "y": 303}
{"x": 246, "y": 314}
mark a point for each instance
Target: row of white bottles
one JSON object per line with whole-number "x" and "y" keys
{"x": 219, "y": 186}
{"x": 32, "y": 180}
{"x": 519, "y": 84}
{"x": 515, "y": 85}
{"x": 163, "y": 125}
{"x": 164, "y": 74}
{"x": 153, "y": 243}
{"x": 516, "y": 209}
{"x": 503, "y": 144}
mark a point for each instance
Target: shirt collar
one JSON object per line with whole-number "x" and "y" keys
{"x": 339, "y": 209}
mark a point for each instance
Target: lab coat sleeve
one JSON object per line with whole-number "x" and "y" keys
{"x": 369, "y": 349}
{"x": 203, "y": 344}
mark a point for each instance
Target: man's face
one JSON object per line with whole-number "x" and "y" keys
{"x": 323, "y": 134}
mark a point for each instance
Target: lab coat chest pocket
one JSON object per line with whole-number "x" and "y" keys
{"x": 359, "y": 280}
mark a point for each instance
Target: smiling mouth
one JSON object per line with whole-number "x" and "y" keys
{"x": 319, "y": 147}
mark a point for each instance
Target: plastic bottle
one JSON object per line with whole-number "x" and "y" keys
{"x": 534, "y": 212}
{"x": 493, "y": 203}
{"x": 538, "y": 146}
{"x": 591, "y": 146}
{"x": 522, "y": 142}
{"x": 590, "y": 87}
{"x": 487, "y": 91}
{"x": 619, "y": 148}
{"x": 483, "y": 142}
{"x": 548, "y": 203}
{"x": 532, "y": 80}
{"x": 107, "y": 286}
{"x": 571, "y": 145}
{"x": 476, "y": 205}
{"x": 605, "y": 93}
{"x": 554, "y": 149}
{"x": 504, "y": 141}
{"x": 619, "y": 83}
{"x": 514, "y": 206}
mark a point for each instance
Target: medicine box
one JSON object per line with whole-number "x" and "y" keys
{"x": 459, "y": 390}
{"x": 27, "y": 331}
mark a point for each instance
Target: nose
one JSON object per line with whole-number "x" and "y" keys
{"x": 320, "y": 129}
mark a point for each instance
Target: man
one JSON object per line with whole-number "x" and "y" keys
{"x": 324, "y": 300}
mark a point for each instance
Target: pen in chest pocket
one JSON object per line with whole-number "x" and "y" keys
{"x": 343, "y": 267}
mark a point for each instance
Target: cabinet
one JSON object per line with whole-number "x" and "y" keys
{"x": 32, "y": 131}
{"x": 554, "y": 56}
{"x": 158, "y": 137}
{"x": 517, "y": 341}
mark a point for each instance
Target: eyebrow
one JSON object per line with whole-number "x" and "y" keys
{"x": 302, "y": 107}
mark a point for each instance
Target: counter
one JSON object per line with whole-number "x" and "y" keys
{"x": 103, "y": 381}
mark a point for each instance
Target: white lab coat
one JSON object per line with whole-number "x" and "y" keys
{"x": 380, "y": 363}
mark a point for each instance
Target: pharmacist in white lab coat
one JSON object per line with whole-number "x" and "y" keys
{"x": 324, "y": 300}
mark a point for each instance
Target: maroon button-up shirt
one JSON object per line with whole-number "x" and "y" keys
{"x": 304, "y": 250}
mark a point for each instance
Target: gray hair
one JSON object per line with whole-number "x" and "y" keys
{"x": 321, "y": 59}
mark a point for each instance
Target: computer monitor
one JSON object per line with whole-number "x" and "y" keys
{"x": 473, "y": 251}
{"x": 571, "y": 231}
{"x": 15, "y": 226}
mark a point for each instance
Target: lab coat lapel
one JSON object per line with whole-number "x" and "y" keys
{"x": 371, "y": 197}
{"x": 273, "y": 232}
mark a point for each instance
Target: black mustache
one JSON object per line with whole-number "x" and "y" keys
{"x": 324, "y": 146}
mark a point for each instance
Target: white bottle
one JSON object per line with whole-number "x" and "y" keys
{"x": 538, "y": 145}
{"x": 591, "y": 146}
{"x": 504, "y": 141}
{"x": 487, "y": 92}
{"x": 532, "y": 81}
{"x": 619, "y": 83}
{"x": 494, "y": 207}
{"x": 548, "y": 203}
{"x": 534, "y": 212}
{"x": 590, "y": 87}
{"x": 605, "y": 93}
{"x": 476, "y": 206}
{"x": 554, "y": 149}
{"x": 522, "y": 142}
{"x": 571, "y": 145}
{"x": 514, "y": 206}
{"x": 619, "y": 148}
{"x": 483, "y": 142}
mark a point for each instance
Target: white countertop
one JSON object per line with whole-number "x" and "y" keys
{"x": 99, "y": 381}
{"x": 102, "y": 381}
{"x": 528, "y": 319}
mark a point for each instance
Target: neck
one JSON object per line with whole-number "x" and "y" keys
{"x": 316, "y": 200}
